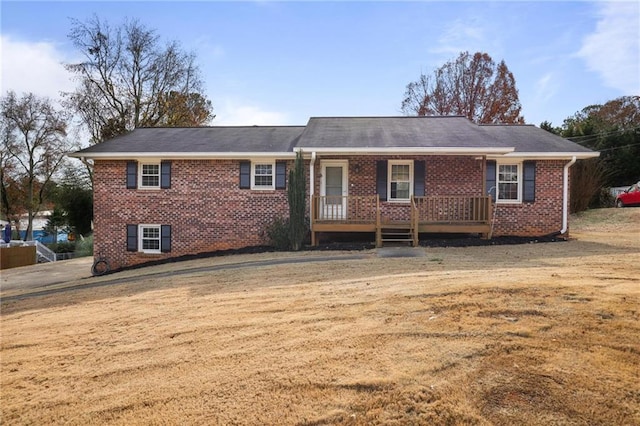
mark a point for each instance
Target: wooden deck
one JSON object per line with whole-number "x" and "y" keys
{"x": 442, "y": 214}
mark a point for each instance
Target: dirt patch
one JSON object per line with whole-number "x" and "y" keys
{"x": 518, "y": 334}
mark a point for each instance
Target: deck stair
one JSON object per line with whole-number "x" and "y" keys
{"x": 397, "y": 233}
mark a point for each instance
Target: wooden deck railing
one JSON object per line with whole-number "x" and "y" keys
{"x": 454, "y": 209}
{"x": 352, "y": 209}
{"x": 415, "y": 220}
{"x": 362, "y": 213}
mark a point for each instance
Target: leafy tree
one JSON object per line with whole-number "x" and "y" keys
{"x": 613, "y": 129}
{"x": 128, "y": 77}
{"x": 34, "y": 137}
{"x": 11, "y": 192}
{"x": 74, "y": 196}
{"x": 546, "y": 125}
{"x": 184, "y": 109}
{"x": 297, "y": 203}
{"x": 470, "y": 85}
{"x": 57, "y": 220}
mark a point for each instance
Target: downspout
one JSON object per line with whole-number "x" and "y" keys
{"x": 312, "y": 186}
{"x": 565, "y": 195}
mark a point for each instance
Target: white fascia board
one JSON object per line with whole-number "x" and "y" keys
{"x": 552, "y": 155}
{"x": 407, "y": 151}
{"x": 182, "y": 155}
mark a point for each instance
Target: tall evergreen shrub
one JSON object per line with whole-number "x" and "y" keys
{"x": 297, "y": 195}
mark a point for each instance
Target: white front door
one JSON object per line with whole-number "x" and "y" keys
{"x": 334, "y": 190}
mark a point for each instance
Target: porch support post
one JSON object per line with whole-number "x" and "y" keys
{"x": 378, "y": 224}
{"x": 484, "y": 175}
{"x": 312, "y": 187}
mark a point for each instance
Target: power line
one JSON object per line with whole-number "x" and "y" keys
{"x": 590, "y": 138}
{"x": 619, "y": 147}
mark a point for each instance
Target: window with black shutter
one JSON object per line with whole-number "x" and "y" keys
{"x": 132, "y": 237}
{"x": 245, "y": 174}
{"x": 529, "y": 182}
{"x": 491, "y": 179}
{"x": 281, "y": 174}
{"x": 132, "y": 174}
{"x": 165, "y": 174}
{"x": 381, "y": 179}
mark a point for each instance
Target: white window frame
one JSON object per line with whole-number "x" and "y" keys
{"x": 141, "y": 238}
{"x": 141, "y": 185}
{"x": 256, "y": 187}
{"x": 390, "y": 165}
{"x": 519, "y": 182}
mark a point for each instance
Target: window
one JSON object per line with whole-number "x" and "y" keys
{"x": 262, "y": 176}
{"x": 150, "y": 238}
{"x": 400, "y": 180}
{"x": 508, "y": 183}
{"x": 150, "y": 176}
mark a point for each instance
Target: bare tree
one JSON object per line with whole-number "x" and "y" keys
{"x": 472, "y": 86}
{"x": 126, "y": 77}
{"x": 34, "y": 140}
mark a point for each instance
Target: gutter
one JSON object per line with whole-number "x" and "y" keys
{"x": 565, "y": 195}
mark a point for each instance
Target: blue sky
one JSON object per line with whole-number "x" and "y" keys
{"x": 282, "y": 62}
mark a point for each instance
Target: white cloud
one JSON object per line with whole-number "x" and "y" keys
{"x": 34, "y": 67}
{"x": 231, "y": 113}
{"x": 459, "y": 36}
{"x": 546, "y": 87}
{"x": 613, "y": 50}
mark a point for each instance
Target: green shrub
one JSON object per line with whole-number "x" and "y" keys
{"x": 84, "y": 247}
{"x": 604, "y": 198}
{"x": 278, "y": 234}
{"x": 64, "y": 247}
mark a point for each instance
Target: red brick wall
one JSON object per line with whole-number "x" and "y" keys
{"x": 208, "y": 211}
{"x": 445, "y": 175}
{"x": 542, "y": 217}
{"x": 464, "y": 175}
{"x": 204, "y": 206}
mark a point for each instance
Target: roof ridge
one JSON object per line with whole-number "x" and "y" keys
{"x": 389, "y": 116}
{"x": 506, "y": 124}
{"x": 248, "y": 126}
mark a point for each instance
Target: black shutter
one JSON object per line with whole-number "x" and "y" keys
{"x": 132, "y": 174}
{"x": 381, "y": 179}
{"x": 491, "y": 179}
{"x": 418, "y": 178}
{"x": 165, "y": 174}
{"x": 245, "y": 174}
{"x": 281, "y": 173}
{"x": 165, "y": 238}
{"x": 132, "y": 237}
{"x": 529, "y": 177}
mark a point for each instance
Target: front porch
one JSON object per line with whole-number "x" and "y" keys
{"x": 400, "y": 222}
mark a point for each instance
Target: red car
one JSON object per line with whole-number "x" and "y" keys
{"x": 630, "y": 197}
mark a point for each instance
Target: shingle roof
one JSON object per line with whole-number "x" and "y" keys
{"x": 363, "y": 134}
{"x": 222, "y": 139}
{"x": 529, "y": 138}
{"x": 393, "y": 132}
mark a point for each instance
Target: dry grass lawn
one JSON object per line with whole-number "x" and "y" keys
{"x": 532, "y": 334}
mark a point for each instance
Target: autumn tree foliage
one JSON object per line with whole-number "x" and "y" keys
{"x": 184, "y": 109}
{"x": 129, "y": 79}
{"x": 34, "y": 145}
{"x": 473, "y": 86}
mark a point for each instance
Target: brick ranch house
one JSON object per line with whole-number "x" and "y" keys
{"x": 168, "y": 192}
